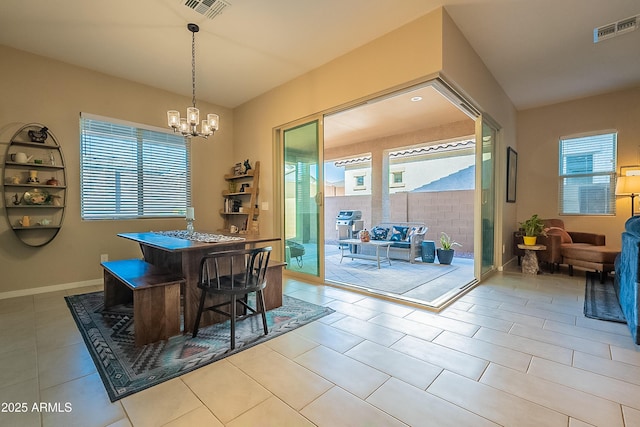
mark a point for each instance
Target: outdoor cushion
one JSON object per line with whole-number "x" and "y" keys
{"x": 398, "y": 233}
{"x": 411, "y": 232}
{"x": 405, "y": 245}
{"x": 379, "y": 233}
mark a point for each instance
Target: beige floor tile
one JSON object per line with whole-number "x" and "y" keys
{"x": 160, "y": 404}
{"x": 462, "y": 305}
{"x": 368, "y": 330}
{"x": 23, "y": 393}
{"x": 59, "y": 333}
{"x": 352, "y": 310}
{"x": 607, "y": 367}
{"x": 17, "y": 305}
{"x": 624, "y": 341}
{"x": 442, "y": 357}
{"x": 383, "y": 306}
{"x": 311, "y": 297}
{"x": 493, "y": 404}
{"x": 406, "y": 326}
{"x": 626, "y": 355}
{"x": 343, "y": 295}
{"x": 348, "y": 373}
{"x": 198, "y": 417}
{"x": 577, "y": 423}
{"x": 575, "y": 309}
{"x": 338, "y": 407}
{"x": 526, "y": 345}
{"x": 600, "y": 325}
{"x": 50, "y": 301}
{"x": 433, "y": 319}
{"x": 332, "y": 318}
{"x": 121, "y": 423}
{"x": 582, "y": 406}
{"x": 477, "y": 319}
{"x": 484, "y": 350}
{"x": 543, "y": 314}
{"x": 406, "y": 368}
{"x": 292, "y": 383}
{"x": 631, "y": 416}
{"x": 478, "y": 300}
{"x": 510, "y": 316}
{"x": 329, "y": 336}
{"x": 21, "y": 337}
{"x": 90, "y": 405}
{"x": 270, "y": 413}
{"x": 598, "y": 385}
{"x": 416, "y": 407}
{"x": 59, "y": 365}
{"x": 291, "y": 344}
{"x": 18, "y": 366}
{"x": 488, "y": 293}
{"x": 225, "y": 389}
{"x": 562, "y": 340}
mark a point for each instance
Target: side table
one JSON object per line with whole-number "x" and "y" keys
{"x": 530, "y": 260}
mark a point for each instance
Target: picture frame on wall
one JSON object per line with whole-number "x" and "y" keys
{"x": 512, "y": 174}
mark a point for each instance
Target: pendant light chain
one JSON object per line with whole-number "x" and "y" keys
{"x": 193, "y": 67}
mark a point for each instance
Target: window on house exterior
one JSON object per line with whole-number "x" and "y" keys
{"x": 397, "y": 179}
{"x": 587, "y": 172}
{"x": 130, "y": 171}
{"x": 359, "y": 183}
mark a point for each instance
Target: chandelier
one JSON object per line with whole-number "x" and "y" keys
{"x": 188, "y": 126}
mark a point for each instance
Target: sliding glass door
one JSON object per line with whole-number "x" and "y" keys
{"x": 302, "y": 185}
{"x": 486, "y": 200}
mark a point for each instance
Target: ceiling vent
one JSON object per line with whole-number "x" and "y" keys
{"x": 615, "y": 29}
{"x": 208, "y": 8}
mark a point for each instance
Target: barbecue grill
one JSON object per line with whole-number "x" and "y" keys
{"x": 349, "y": 223}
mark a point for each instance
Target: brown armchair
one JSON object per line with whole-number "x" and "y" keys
{"x": 556, "y": 239}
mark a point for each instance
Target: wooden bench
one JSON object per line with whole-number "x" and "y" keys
{"x": 155, "y": 294}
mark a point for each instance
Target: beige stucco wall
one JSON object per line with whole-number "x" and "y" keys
{"x": 539, "y": 130}
{"x": 36, "y": 89}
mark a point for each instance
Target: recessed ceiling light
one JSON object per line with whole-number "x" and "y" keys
{"x": 416, "y": 99}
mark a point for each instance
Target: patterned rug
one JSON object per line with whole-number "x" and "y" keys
{"x": 126, "y": 369}
{"x": 601, "y": 300}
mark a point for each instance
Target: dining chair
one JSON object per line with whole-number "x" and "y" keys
{"x": 234, "y": 275}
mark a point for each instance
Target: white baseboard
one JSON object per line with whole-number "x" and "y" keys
{"x": 52, "y": 288}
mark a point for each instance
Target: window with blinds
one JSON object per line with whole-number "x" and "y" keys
{"x": 132, "y": 171}
{"x": 587, "y": 174}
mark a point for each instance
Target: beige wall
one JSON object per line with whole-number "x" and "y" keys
{"x": 36, "y": 89}
{"x": 539, "y": 130}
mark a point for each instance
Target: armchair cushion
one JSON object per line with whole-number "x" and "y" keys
{"x": 379, "y": 233}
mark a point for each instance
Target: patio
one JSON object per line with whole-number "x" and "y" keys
{"x": 431, "y": 284}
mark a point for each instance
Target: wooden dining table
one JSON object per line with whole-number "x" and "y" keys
{"x": 183, "y": 256}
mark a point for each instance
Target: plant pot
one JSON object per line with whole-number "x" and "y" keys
{"x": 529, "y": 240}
{"x": 445, "y": 256}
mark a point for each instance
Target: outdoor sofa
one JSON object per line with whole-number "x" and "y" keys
{"x": 407, "y": 238}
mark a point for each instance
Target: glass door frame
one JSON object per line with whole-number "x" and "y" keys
{"x": 279, "y": 188}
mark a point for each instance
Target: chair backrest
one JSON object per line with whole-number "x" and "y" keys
{"x": 241, "y": 269}
{"x": 553, "y": 222}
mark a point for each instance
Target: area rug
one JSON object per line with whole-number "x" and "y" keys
{"x": 601, "y": 301}
{"x": 126, "y": 369}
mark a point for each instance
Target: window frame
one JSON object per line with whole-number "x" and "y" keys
{"x": 146, "y": 189}
{"x": 600, "y": 179}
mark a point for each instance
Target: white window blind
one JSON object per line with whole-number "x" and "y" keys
{"x": 132, "y": 171}
{"x": 587, "y": 174}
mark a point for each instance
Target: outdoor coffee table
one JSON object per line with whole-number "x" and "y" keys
{"x": 530, "y": 260}
{"x": 357, "y": 242}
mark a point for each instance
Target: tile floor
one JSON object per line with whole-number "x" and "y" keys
{"x": 515, "y": 351}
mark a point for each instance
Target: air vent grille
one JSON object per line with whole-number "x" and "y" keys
{"x": 208, "y": 8}
{"x": 615, "y": 29}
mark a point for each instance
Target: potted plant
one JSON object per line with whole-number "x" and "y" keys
{"x": 445, "y": 251}
{"x": 532, "y": 227}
